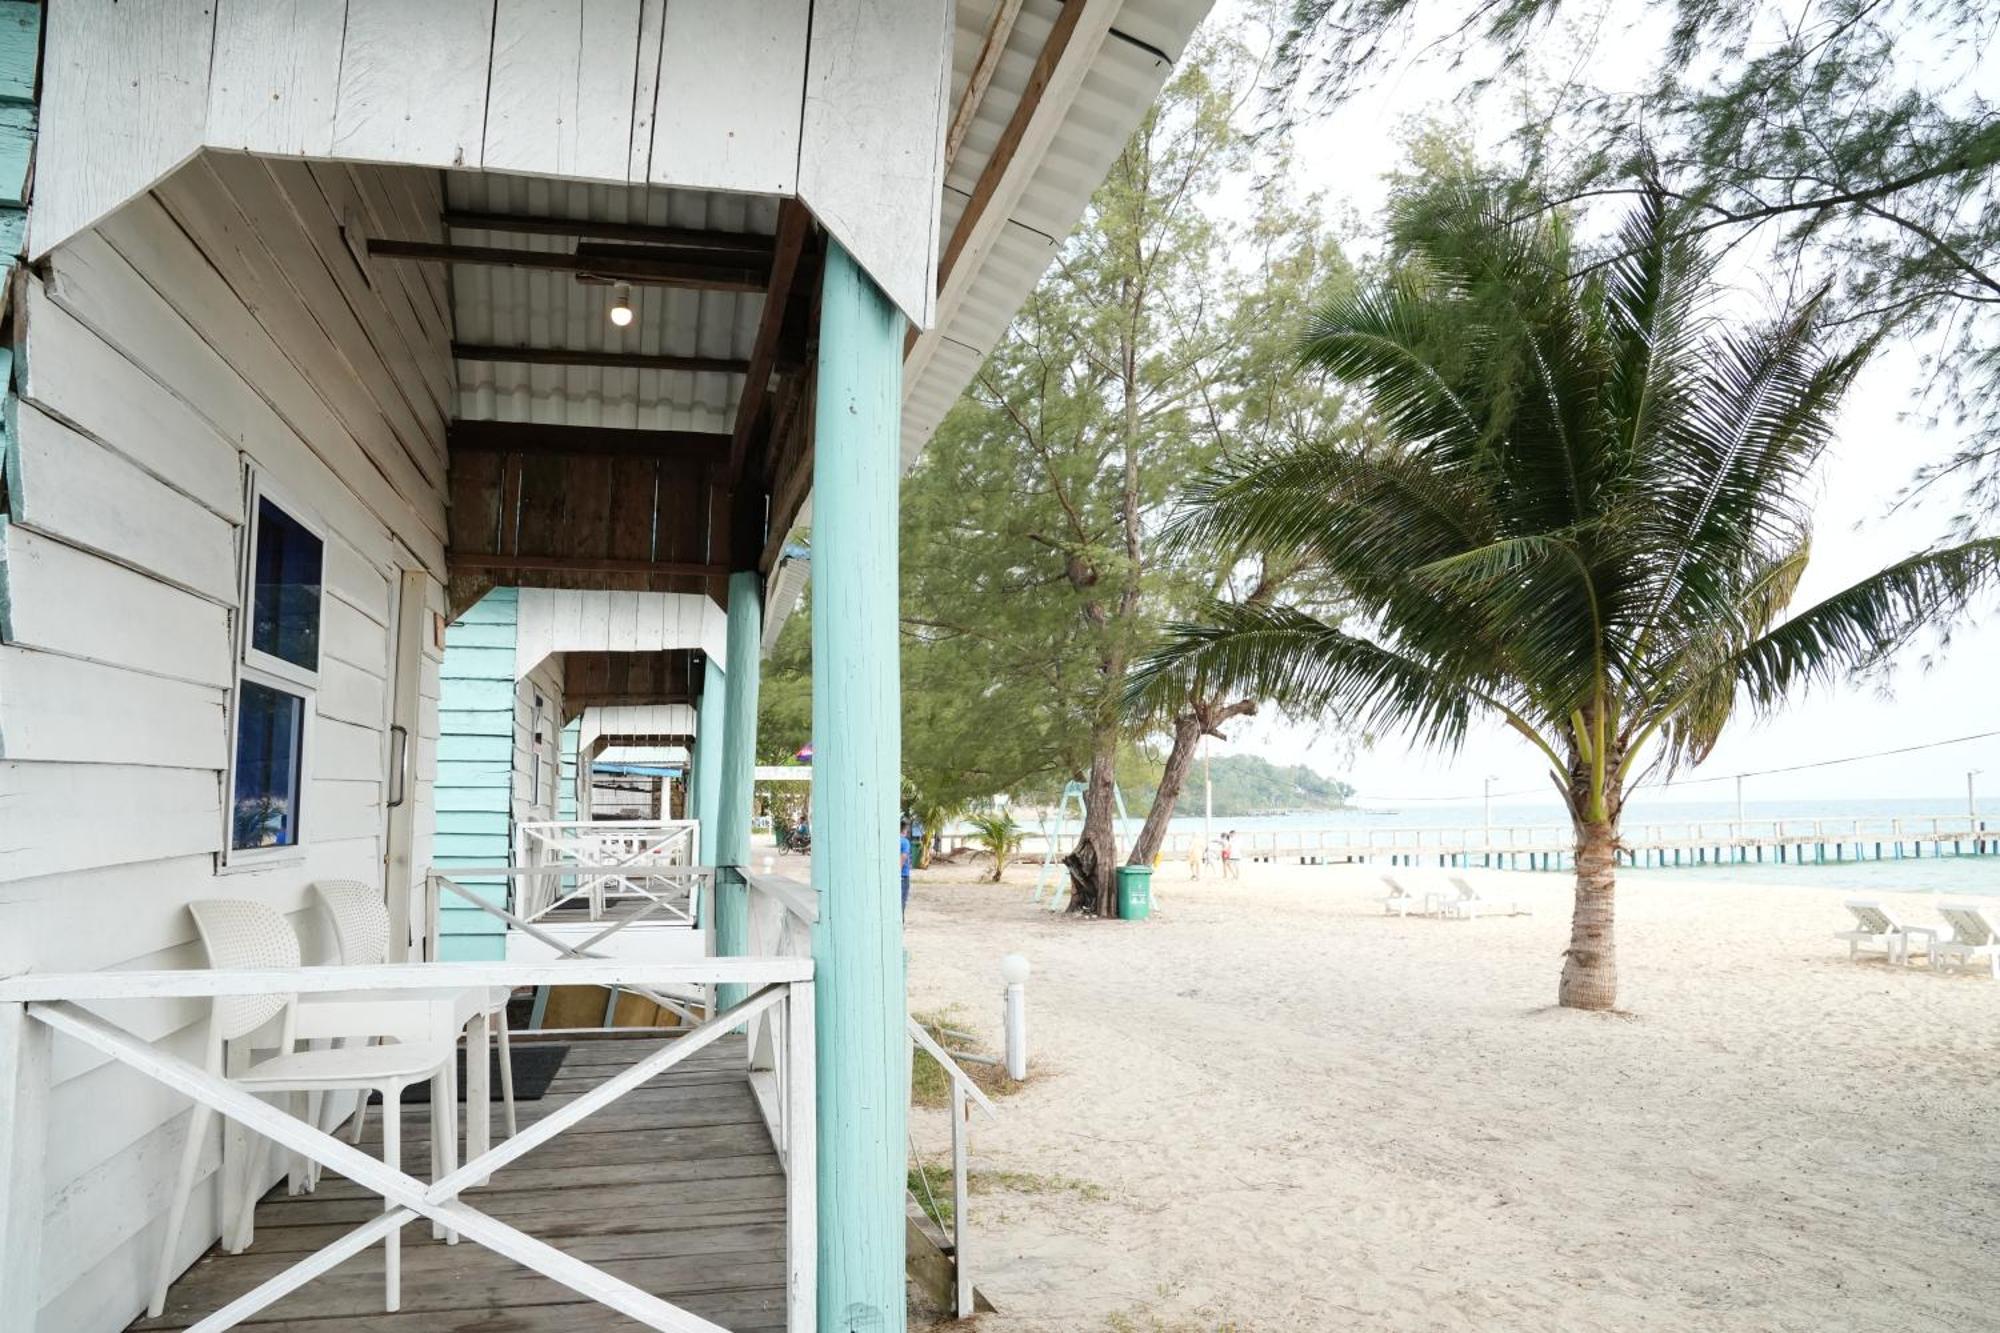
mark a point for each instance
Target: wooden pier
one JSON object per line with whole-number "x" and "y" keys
{"x": 1805, "y": 840}
{"x": 1797, "y": 840}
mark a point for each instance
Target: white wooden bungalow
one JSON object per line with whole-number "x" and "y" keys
{"x": 333, "y": 317}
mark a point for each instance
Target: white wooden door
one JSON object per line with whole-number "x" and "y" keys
{"x": 411, "y": 620}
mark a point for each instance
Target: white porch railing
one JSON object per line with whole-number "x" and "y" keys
{"x": 599, "y": 861}
{"x": 440, "y": 888}
{"x": 965, "y": 1095}
{"x": 34, "y": 1008}
{"x": 782, "y": 912}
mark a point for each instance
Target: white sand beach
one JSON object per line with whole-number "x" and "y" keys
{"x": 1274, "y": 1108}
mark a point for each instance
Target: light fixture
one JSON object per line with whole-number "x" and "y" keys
{"x": 621, "y": 306}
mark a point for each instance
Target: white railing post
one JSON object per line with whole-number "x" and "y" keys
{"x": 961, "y": 1114}
{"x": 24, "y": 1120}
{"x": 801, "y": 1162}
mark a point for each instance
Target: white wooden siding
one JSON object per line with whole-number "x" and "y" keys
{"x": 840, "y": 102}
{"x": 731, "y": 81}
{"x": 871, "y": 156}
{"x": 558, "y": 620}
{"x": 561, "y": 101}
{"x": 545, "y": 679}
{"x": 218, "y": 324}
{"x": 413, "y": 82}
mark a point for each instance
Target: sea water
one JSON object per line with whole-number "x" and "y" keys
{"x": 1944, "y": 875}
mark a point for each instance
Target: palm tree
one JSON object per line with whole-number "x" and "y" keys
{"x": 1591, "y": 512}
{"x": 996, "y": 832}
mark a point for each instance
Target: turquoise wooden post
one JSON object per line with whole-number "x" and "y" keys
{"x": 857, "y": 776}
{"x": 708, "y": 728}
{"x": 739, "y": 772}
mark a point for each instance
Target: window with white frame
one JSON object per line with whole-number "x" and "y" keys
{"x": 535, "y": 755}
{"x": 277, "y": 677}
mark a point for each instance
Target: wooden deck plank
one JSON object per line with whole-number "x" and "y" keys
{"x": 675, "y": 1188}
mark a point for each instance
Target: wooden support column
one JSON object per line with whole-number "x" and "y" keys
{"x": 739, "y": 772}
{"x": 707, "y": 763}
{"x": 857, "y": 766}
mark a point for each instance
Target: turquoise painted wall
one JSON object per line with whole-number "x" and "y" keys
{"x": 20, "y": 43}
{"x": 475, "y": 779}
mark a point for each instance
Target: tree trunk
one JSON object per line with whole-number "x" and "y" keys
{"x": 1201, "y": 719}
{"x": 1094, "y": 862}
{"x": 1590, "y": 967}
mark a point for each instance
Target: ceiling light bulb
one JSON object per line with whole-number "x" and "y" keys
{"x": 621, "y": 307}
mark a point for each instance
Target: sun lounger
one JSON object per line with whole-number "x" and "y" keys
{"x": 1401, "y": 902}
{"x": 1876, "y": 929}
{"x": 1974, "y": 936}
{"x": 1467, "y": 905}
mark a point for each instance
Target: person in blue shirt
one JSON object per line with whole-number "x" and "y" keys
{"x": 906, "y": 866}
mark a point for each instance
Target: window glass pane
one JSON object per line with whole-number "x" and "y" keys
{"x": 270, "y": 737}
{"x": 285, "y": 597}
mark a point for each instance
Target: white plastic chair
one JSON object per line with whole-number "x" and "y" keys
{"x": 240, "y": 934}
{"x": 361, "y": 932}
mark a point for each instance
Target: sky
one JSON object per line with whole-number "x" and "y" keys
{"x": 1929, "y": 696}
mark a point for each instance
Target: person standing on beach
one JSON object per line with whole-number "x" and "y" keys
{"x": 1229, "y": 870}
{"x": 1194, "y": 858}
{"x": 906, "y": 866}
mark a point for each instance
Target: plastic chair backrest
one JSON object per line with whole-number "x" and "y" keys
{"x": 238, "y": 934}
{"x": 360, "y": 919}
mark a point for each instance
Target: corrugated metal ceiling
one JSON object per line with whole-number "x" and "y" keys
{"x": 532, "y": 308}
{"x": 519, "y": 307}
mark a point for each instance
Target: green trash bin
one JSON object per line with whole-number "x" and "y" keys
{"x": 1135, "y": 893}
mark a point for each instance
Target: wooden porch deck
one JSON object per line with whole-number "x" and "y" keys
{"x": 675, "y": 1188}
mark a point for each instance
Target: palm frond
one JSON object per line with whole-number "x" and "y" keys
{"x": 1303, "y": 664}
{"x": 1860, "y": 626}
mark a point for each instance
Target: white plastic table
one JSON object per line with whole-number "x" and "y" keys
{"x": 438, "y": 1014}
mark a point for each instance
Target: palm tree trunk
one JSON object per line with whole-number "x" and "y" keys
{"x": 1202, "y": 718}
{"x": 1590, "y": 968}
{"x": 1091, "y": 870}
{"x": 1180, "y": 758}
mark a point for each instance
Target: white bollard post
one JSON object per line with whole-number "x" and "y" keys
{"x": 1014, "y": 971}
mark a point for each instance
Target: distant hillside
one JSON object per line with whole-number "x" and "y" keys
{"x": 1248, "y": 784}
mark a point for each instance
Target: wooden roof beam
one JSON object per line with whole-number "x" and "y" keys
{"x": 1066, "y": 57}
{"x": 467, "y": 561}
{"x": 534, "y": 437}
{"x": 998, "y": 29}
{"x": 619, "y": 263}
{"x": 794, "y": 228}
{"x": 639, "y": 233}
{"x": 575, "y": 356}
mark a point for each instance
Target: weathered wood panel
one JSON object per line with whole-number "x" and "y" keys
{"x": 413, "y": 82}
{"x": 60, "y": 599}
{"x": 871, "y": 156}
{"x": 76, "y": 376}
{"x": 54, "y": 816}
{"x": 276, "y": 75}
{"x": 731, "y": 81}
{"x": 125, "y": 98}
{"x": 560, "y": 102}
{"x": 68, "y": 485}
{"x": 64, "y": 710}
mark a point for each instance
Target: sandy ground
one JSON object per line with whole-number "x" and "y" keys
{"x": 1273, "y": 1107}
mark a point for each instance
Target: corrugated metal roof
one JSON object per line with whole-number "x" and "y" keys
{"x": 1122, "y": 82}
{"x": 525, "y": 307}
{"x": 517, "y": 307}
